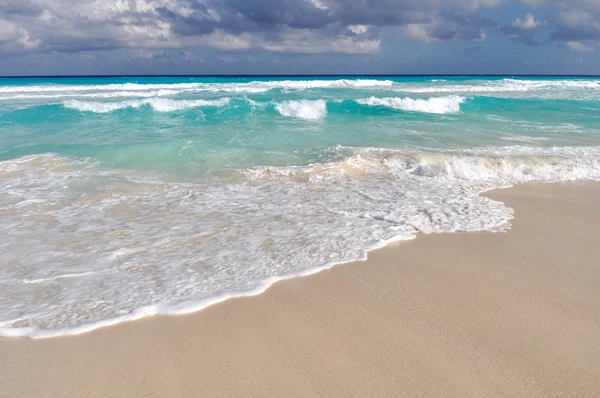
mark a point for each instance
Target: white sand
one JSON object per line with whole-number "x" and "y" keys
{"x": 453, "y": 315}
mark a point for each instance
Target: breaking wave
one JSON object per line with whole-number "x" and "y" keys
{"x": 439, "y": 105}
{"x": 303, "y": 109}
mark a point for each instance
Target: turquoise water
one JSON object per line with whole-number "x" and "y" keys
{"x": 125, "y": 197}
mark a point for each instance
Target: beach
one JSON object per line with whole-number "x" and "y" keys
{"x": 477, "y": 314}
{"x": 312, "y": 198}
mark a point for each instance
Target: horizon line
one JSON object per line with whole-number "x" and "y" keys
{"x": 302, "y": 75}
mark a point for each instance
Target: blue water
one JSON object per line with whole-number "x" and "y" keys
{"x": 122, "y": 197}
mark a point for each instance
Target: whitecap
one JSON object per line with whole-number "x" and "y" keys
{"x": 303, "y": 109}
{"x": 440, "y": 105}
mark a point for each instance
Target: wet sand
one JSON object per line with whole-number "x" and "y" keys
{"x": 453, "y": 315}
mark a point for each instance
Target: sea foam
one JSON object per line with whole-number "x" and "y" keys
{"x": 135, "y": 246}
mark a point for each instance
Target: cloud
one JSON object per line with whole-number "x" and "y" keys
{"x": 524, "y": 30}
{"x": 579, "y": 47}
{"x": 451, "y": 26}
{"x": 163, "y": 30}
{"x": 296, "y": 26}
{"x": 528, "y": 23}
{"x": 426, "y": 20}
{"x": 571, "y": 20}
{"x": 14, "y": 37}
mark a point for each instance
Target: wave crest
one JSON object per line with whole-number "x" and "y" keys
{"x": 303, "y": 109}
{"x": 438, "y": 105}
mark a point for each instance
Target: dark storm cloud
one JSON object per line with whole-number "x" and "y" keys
{"x": 435, "y": 20}
{"x": 273, "y": 13}
{"x": 242, "y": 15}
{"x": 282, "y": 26}
{"x": 238, "y": 16}
{"x": 351, "y": 25}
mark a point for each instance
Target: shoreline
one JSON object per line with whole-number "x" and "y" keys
{"x": 192, "y": 307}
{"x": 187, "y": 308}
{"x": 328, "y": 304}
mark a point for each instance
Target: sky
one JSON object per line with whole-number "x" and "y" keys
{"x": 195, "y": 37}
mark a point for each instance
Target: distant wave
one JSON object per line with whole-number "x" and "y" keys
{"x": 54, "y": 93}
{"x": 66, "y": 88}
{"x": 505, "y": 85}
{"x": 246, "y": 87}
{"x": 157, "y": 104}
{"x": 303, "y": 109}
{"x": 102, "y": 94}
{"x": 440, "y": 105}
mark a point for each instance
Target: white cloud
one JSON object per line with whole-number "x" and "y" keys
{"x": 12, "y": 33}
{"x": 528, "y": 23}
{"x": 318, "y": 4}
{"x": 579, "y": 47}
{"x": 358, "y": 29}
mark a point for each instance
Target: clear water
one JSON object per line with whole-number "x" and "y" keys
{"x": 127, "y": 197}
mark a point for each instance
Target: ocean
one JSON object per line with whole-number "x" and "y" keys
{"x": 125, "y": 197}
